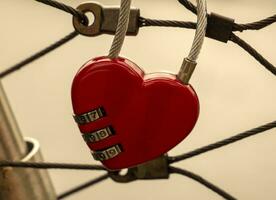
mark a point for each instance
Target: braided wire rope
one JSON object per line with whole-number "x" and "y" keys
{"x": 237, "y": 27}
{"x": 83, "y": 186}
{"x": 224, "y": 142}
{"x": 81, "y": 16}
{"x": 258, "y": 25}
{"x": 241, "y": 27}
{"x": 45, "y": 165}
{"x": 39, "y": 54}
{"x": 201, "y": 180}
{"x": 151, "y": 22}
{"x": 253, "y": 52}
{"x": 145, "y": 22}
{"x": 123, "y": 25}
{"x": 121, "y": 29}
{"x": 255, "y": 25}
{"x": 200, "y": 30}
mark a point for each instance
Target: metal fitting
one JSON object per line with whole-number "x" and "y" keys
{"x": 105, "y": 20}
{"x": 155, "y": 169}
{"x": 186, "y": 71}
{"x": 219, "y": 27}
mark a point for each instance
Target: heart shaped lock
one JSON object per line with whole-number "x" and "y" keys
{"x": 128, "y": 117}
{"x": 135, "y": 117}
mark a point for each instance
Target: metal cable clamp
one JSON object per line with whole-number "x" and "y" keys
{"x": 152, "y": 170}
{"x": 105, "y": 20}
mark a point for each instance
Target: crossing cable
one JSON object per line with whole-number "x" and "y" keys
{"x": 171, "y": 160}
{"x": 237, "y": 27}
{"x": 174, "y": 159}
{"x": 223, "y": 142}
{"x": 144, "y": 22}
{"x": 201, "y": 180}
{"x": 150, "y": 22}
{"x": 61, "y": 6}
{"x": 242, "y": 27}
{"x": 45, "y": 165}
{"x": 258, "y": 25}
{"x": 39, "y": 54}
{"x": 39, "y": 165}
{"x": 83, "y": 186}
{"x": 253, "y": 52}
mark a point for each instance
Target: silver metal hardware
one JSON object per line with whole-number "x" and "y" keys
{"x": 186, "y": 71}
{"x": 107, "y": 154}
{"x": 19, "y": 183}
{"x": 89, "y": 117}
{"x": 105, "y": 20}
{"x": 97, "y": 135}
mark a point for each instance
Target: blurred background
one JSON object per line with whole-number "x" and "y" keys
{"x": 235, "y": 91}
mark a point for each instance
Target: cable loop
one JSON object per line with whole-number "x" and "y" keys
{"x": 189, "y": 63}
{"x": 121, "y": 30}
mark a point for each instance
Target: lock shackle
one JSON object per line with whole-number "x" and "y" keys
{"x": 200, "y": 30}
{"x": 189, "y": 62}
{"x": 125, "y": 13}
{"x": 121, "y": 29}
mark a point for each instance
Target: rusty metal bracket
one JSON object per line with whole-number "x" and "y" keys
{"x": 152, "y": 170}
{"x": 105, "y": 20}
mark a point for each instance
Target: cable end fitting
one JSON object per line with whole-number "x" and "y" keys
{"x": 219, "y": 27}
{"x": 186, "y": 71}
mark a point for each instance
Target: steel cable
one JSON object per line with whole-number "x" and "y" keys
{"x": 45, "y": 165}
{"x": 255, "y": 25}
{"x": 253, "y": 52}
{"x": 166, "y": 23}
{"x": 61, "y": 6}
{"x": 223, "y": 142}
{"x": 39, "y": 54}
{"x": 202, "y": 181}
{"x": 121, "y": 29}
{"x": 200, "y": 31}
{"x": 149, "y": 22}
{"x": 83, "y": 186}
{"x": 237, "y": 27}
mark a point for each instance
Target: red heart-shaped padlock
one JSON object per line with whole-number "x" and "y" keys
{"x": 127, "y": 117}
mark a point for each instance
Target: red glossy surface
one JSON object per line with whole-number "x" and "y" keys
{"x": 149, "y": 113}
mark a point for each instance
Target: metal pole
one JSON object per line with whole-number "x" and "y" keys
{"x": 20, "y": 184}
